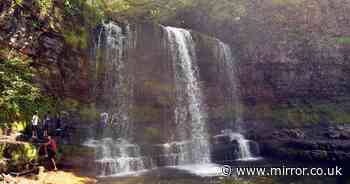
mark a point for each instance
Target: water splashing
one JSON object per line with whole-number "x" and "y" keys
{"x": 117, "y": 157}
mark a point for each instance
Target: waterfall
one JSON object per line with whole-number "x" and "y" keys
{"x": 190, "y": 117}
{"x": 115, "y": 154}
{"x": 117, "y": 157}
{"x": 232, "y": 84}
{"x": 229, "y": 69}
{"x": 243, "y": 147}
{"x": 186, "y": 143}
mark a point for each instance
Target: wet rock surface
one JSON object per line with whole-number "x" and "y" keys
{"x": 328, "y": 144}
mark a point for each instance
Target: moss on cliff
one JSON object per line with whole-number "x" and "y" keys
{"x": 302, "y": 113}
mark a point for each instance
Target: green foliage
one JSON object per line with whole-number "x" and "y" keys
{"x": 2, "y": 149}
{"x": 89, "y": 113}
{"x": 45, "y": 6}
{"x": 18, "y": 126}
{"x": 27, "y": 153}
{"x": 287, "y": 2}
{"x": 71, "y": 7}
{"x": 335, "y": 112}
{"x": 76, "y": 38}
{"x": 19, "y": 97}
{"x": 80, "y": 17}
{"x": 343, "y": 40}
{"x": 70, "y": 105}
{"x": 226, "y": 10}
{"x": 299, "y": 114}
{"x": 35, "y": 23}
{"x": 89, "y": 11}
{"x": 18, "y": 2}
{"x": 125, "y": 9}
{"x": 20, "y": 154}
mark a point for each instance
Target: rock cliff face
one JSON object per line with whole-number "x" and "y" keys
{"x": 329, "y": 144}
{"x": 280, "y": 82}
{"x": 285, "y": 49}
{"x": 275, "y": 73}
{"x": 61, "y": 70}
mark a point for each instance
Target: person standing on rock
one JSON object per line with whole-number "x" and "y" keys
{"x": 35, "y": 121}
{"x": 46, "y": 123}
{"x": 58, "y": 126}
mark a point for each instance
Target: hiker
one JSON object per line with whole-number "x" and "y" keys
{"x": 46, "y": 124}
{"x": 50, "y": 151}
{"x": 102, "y": 124}
{"x": 58, "y": 126}
{"x": 35, "y": 121}
{"x": 104, "y": 119}
{"x": 58, "y": 122}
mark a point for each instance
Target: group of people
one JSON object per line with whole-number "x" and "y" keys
{"x": 50, "y": 146}
{"x": 47, "y": 123}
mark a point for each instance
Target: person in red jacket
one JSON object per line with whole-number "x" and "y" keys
{"x": 50, "y": 151}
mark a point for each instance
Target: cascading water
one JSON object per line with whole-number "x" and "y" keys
{"x": 113, "y": 89}
{"x": 117, "y": 157}
{"x": 190, "y": 118}
{"x": 243, "y": 147}
{"x": 229, "y": 68}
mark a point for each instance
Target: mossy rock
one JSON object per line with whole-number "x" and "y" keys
{"x": 76, "y": 156}
{"x": 18, "y": 156}
{"x": 3, "y": 166}
{"x": 152, "y": 134}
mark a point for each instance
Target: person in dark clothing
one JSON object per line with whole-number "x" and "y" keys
{"x": 58, "y": 122}
{"x": 51, "y": 150}
{"x": 102, "y": 124}
{"x": 58, "y": 126}
{"x": 46, "y": 124}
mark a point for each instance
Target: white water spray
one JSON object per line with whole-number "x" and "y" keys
{"x": 190, "y": 116}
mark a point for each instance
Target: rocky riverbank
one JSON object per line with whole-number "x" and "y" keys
{"x": 325, "y": 144}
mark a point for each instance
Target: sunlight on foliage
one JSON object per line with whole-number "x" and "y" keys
{"x": 19, "y": 97}
{"x": 18, "y": 2}
{"x": 45, "y": 6}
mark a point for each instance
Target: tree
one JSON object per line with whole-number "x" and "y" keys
{"x": 19, "y": 96}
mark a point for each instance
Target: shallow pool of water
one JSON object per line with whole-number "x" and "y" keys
{"x": 212, "y": 174}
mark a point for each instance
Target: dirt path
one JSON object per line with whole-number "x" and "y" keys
{"x": 59, "y": 177}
